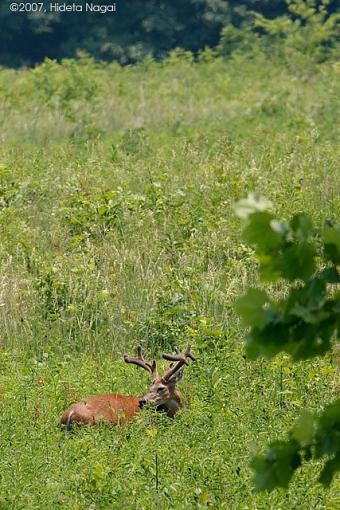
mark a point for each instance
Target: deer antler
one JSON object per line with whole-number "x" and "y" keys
{"x": 181, "y": 360}
{"x": 140, "y": 361}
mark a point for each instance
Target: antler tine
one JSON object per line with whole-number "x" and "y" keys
{"x": 180, "y": 357}
{"x": 140, "y": 361}
{"x": 181, "y": 360}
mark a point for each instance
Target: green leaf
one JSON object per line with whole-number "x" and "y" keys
{"x": 328, "y": 430}
{"x": 259, "y": 232}
{"x": 331, "y": 467}
{"x": 250, "y": 205}
{"x": 301, "y": 226}
{"x": 308, "y": 302}
{"x": 330, "y": 275}
{"x": 304, "y": 429}
{"x": 311, "y": 295}
{"x": 250, "y": 307}
{"x": 269, "y": 269}
{"x": 298, "y": 262}
{"x": 308, "y": 341}
{"x": 276, "y": 467}
{"x": 331, "y": 239}
{"x": 293, "y": 262}
{"x": 304, "y": 313}
{"x": 267, "y": 342}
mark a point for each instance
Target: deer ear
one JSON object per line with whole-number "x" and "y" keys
{"x": 175, "y": 379}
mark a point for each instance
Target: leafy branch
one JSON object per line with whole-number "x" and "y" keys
{"x": 311, "y": 437}
{"x": 303, "y": 324}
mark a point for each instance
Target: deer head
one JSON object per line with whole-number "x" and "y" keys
{"x": 163, "y": 393}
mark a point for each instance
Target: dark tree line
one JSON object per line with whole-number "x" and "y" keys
{"x": 137, "y": 28}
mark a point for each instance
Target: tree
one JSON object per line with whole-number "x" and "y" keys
{"x": 303, "y": 324}
{"x": 138, "y": 28}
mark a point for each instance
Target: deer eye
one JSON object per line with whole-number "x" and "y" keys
{"x": 159, "y": 390}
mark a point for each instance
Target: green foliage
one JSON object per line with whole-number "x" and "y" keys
{"x": 53, "y": 293}
{"x": 9, "y": 188}
{"x": 303, "y": 325}
{"x": 250, "y": 306}
{"x": 95, "y": 214}
{"x": 140, "y": 30}
{"x": 66, "y": 87}
{"x": 331, "y": 239}
{"x": 308, "y": 28}
{"x": 65, "y": 83}
{"x": 275, "y": 469}
{"x": 169, "y": 324}
{"x": 307, "y": 31}
{"x": 316, "y": 437}
{"x": 239, "y": 40}
{"x": 134, "y": 141}
{"x": 136, "y": 30}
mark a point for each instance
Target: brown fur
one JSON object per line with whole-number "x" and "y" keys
{"x": 117, "y": 409}
{"x": 112, "y": 408}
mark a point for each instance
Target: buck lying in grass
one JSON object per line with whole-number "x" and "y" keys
{"x": 118, "y": 409}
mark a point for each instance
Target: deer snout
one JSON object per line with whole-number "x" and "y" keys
{"x": 142, "y": 403}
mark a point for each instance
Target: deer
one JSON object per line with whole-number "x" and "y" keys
{"x": 117, "y": 409}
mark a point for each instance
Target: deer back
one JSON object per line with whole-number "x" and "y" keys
{"x": 112, "y": 408}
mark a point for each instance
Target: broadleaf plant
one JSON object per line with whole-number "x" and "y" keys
{"x": 303, "y": 324}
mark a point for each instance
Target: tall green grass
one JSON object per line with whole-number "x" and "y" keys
{"x": 116, "y": 187}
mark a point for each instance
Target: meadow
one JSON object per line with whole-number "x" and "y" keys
{"x": 117, "y": 229}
